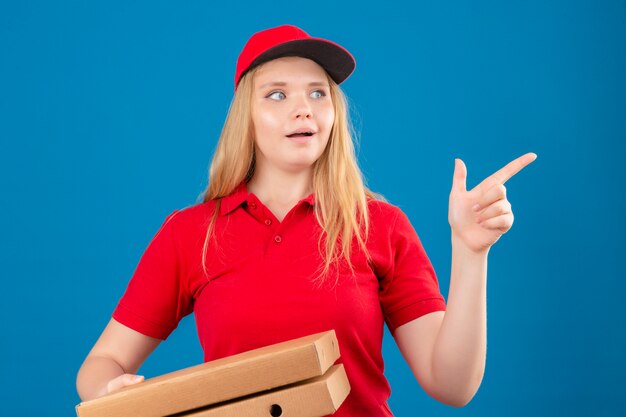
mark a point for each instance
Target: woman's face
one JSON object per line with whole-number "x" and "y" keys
{"x": 292, "y": 114}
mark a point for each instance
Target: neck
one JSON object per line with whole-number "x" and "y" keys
{"x": 281, "y": 188}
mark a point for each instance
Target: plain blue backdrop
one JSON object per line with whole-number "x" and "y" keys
{"x": 110, "y": 111}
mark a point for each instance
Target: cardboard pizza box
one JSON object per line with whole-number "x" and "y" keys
{"x": 220, "y": 380}
{"x": 315, "y": 397}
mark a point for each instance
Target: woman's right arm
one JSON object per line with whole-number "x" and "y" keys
{"x": 113, "y": 361}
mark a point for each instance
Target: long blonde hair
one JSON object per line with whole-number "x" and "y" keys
{"x": 338, "y": 186}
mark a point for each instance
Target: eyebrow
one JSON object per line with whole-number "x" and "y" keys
{"x": 283, "y": 84}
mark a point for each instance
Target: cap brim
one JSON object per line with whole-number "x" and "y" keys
{"x": 337, "y": 62}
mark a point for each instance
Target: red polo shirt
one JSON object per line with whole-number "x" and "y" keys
{"x": 258, "y": 289}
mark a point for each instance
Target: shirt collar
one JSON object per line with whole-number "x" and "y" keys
{"x": 310, "y": 199}
{"x": 240, "y": 195}
{"x": 234, "y": 199}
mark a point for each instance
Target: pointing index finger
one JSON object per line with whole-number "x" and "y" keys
{"x": 505, "y": 173}
{"x": 513, "y": 167}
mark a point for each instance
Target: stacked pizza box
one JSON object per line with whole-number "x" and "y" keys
{"x": 295, "y": 378}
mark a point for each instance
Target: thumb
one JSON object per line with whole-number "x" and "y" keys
{"x": 130, "y": 379}
{"x": 123, "y": 381}
{"x": 460, "y": 175}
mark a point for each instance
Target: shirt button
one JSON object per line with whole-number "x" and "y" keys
{"x": 268, "y": 222}
{"x": 253, "y": 205}
{"x": 278, "y": 239}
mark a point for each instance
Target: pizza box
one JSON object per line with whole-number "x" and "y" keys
{"x": 220, "y": 380}
{"x": 315, "y": 397}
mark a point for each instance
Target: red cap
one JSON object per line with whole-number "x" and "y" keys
{"x": 288, "y": 40}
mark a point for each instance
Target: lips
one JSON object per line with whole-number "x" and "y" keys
{"x": 302, "y": 132}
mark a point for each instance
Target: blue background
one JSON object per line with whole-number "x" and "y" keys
{"x": 110, "y": 111}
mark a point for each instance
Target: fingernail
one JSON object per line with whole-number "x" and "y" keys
{"x": 137, "y": 377}
{"x": 476, "y": 207}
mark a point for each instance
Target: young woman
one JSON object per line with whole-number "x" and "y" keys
{"x": 289, "y": 242}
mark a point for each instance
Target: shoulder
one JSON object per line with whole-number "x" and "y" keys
{"x": 190, "y": 217}
{"x": 381, "y": 211}
{"x": 389, "y": 221}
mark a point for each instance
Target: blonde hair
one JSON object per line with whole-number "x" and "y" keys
{"x": 338, "y": 186}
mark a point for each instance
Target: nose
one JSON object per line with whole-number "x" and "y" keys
{"x": 302, "y": 109}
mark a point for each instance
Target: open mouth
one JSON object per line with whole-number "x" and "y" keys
{"x": 302, "y": 134}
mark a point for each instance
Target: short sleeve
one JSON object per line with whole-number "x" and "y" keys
{"x": 409, "y": 289}
{"x": 156, "y": 298}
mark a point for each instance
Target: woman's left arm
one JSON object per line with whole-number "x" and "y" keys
{"x": 447, "y": 351}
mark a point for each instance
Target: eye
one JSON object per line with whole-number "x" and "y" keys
{"x": 276, "y": 95}
{"x": 318, "y": 94}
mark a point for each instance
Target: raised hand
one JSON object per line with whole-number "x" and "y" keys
{"x": 480, "y": 216}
